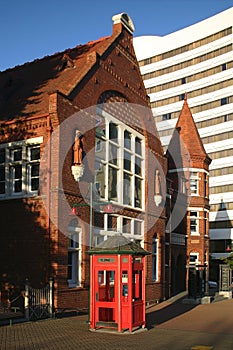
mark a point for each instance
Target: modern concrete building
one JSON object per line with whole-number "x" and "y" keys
{"x": 198, "y": 61}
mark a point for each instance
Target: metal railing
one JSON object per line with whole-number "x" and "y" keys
{"x": 38, "y": 302}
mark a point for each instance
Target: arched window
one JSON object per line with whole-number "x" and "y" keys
{"x": 74, "y": 254}
{"x": 155, "y": 258}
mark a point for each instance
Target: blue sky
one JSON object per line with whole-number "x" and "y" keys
{"x": 31, "y": 29}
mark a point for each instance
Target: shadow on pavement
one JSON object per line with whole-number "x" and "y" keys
{"x": 167, "y": 312}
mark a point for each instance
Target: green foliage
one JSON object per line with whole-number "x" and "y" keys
{"x": 228, "y": 260}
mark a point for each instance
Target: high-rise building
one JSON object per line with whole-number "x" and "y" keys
{"x": 198, "y": 61}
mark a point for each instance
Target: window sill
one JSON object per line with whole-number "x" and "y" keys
{"x": 17, "y": 196}
{"x": 74, "y": 286}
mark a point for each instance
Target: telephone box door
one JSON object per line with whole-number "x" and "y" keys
{"x": 138, "y": 303}
{"x": 105, "y": 293}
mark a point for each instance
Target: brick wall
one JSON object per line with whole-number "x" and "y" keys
{"x": 31, "y": 245}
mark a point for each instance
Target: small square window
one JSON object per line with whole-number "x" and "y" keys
{"x": 166, "y": 116}
{"x": 224, "y": 101}
{"x": 181, "y": 97}
{"x": 17, "y": 154}
{"x": 193, "y": 258}
{"x": 224, "y": 66}
{"x": 35, "y": 153}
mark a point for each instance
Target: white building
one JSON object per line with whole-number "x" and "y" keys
{"x": 198, "y": 60}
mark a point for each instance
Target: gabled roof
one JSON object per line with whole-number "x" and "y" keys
{"x": 24, "y": 89}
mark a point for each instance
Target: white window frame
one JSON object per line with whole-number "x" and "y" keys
{"x": 30, "y": 165}
{"x": 119, "y": 166}
{"x": 193, "y": 217}
{"x": 133, "y": 221}
{"x": 206, "y": 184}
{"x": 108, "y": 231}
{"x": 120, "y": 220}
{"x": 196, "y": 261}
{"x": 25, "y": 163}
{"x": 194, "y": 188}
{"x": 14, "y": 179}
{"x": 74, "y": 235}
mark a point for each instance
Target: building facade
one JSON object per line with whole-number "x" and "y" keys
{"x": 77, "y": 133}
{"x": 198, "y": 60}
{"x": 188, "y": 174}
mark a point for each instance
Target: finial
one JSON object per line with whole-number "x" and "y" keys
{"x": 185, "y": 96}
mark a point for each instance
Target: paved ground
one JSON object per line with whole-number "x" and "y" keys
{"x": 171, "y": 325}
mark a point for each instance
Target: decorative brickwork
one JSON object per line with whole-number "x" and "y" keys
{"x": 40, "y": 96}
{"x": 193, "y": 166}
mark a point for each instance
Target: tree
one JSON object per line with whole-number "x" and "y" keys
{"x": 228, "y": 260}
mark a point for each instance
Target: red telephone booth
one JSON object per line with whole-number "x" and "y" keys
{"x": 117, "y": 285}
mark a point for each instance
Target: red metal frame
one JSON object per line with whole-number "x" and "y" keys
{"x": 117, "y": 291}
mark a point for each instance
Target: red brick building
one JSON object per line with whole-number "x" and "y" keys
{"x": 77, "y": 133}
{"x": 188, "y": 172}
{"x": 43, "y": 105}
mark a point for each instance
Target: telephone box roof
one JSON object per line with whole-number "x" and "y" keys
{"x": 118, "y": 244}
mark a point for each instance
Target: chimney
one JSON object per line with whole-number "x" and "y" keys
{"x": 123, "y": 20}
